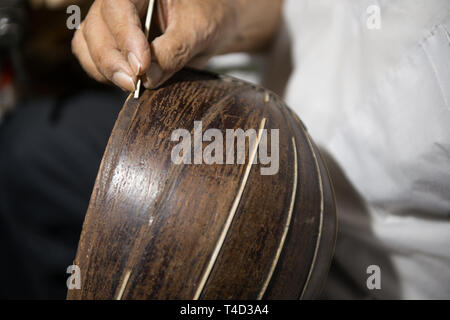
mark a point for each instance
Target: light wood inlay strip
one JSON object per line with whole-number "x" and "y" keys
{"x": 319, "y": 236}
{"x": 286, "y": 227}
{"x": 124, "y": 285}
{"x": 227, "y": 225}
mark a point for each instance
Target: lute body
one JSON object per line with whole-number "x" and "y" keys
{"x": 160, "y": 230}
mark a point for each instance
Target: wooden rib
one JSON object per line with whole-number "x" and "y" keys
{"x": 227, "y": 225}
{"x": 319, "y": 236}
{"x": 124, "y": 285}
{"x": 286, "y": 227}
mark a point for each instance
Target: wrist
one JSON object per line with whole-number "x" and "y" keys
{"x": 231, "y": 21}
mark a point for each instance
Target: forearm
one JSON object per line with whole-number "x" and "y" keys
{"x": 257, "y": 22}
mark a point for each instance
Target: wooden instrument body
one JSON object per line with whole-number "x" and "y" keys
{"x": 158, "y": 230}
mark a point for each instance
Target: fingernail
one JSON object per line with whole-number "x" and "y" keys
{"x": 134, "y": 63}
{"x": 154, "y": 76}
{"x": 124, "y": 81}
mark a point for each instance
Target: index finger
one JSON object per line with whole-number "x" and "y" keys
{"x": 123, "y": 20}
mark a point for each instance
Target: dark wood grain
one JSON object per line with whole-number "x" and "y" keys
{"x": 153, "y": 228}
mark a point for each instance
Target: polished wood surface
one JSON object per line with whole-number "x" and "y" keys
{"x": 158, "y": 230}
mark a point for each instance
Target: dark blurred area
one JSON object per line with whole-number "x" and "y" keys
{"x": 54, "y": 126}
{"x": 35, "y": 46}
{"x": 13, "y": 22}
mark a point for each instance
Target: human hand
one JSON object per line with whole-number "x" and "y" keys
{"x": 111, "y": 45}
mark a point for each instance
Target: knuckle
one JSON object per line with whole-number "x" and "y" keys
{"x": 105, "y": 7}
{"x": 121, "y": 35}
{"x": 207, "y": 33}
{"x": 179, "y": 53}
{"x": 106, "y": 4}
{"x": 204, "y": 26}
{"x": 87, "y": 27}
{"x": 100, "y": 57}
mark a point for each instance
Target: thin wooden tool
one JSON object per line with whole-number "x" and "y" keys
{"x": 148, "y": 21}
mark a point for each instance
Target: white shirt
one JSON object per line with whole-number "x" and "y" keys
{"x": 377, "y": 102}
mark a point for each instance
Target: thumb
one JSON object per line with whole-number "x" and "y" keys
{"x": 170, "y": 53}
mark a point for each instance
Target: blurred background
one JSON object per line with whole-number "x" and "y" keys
{"x": 54, "y": 125}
